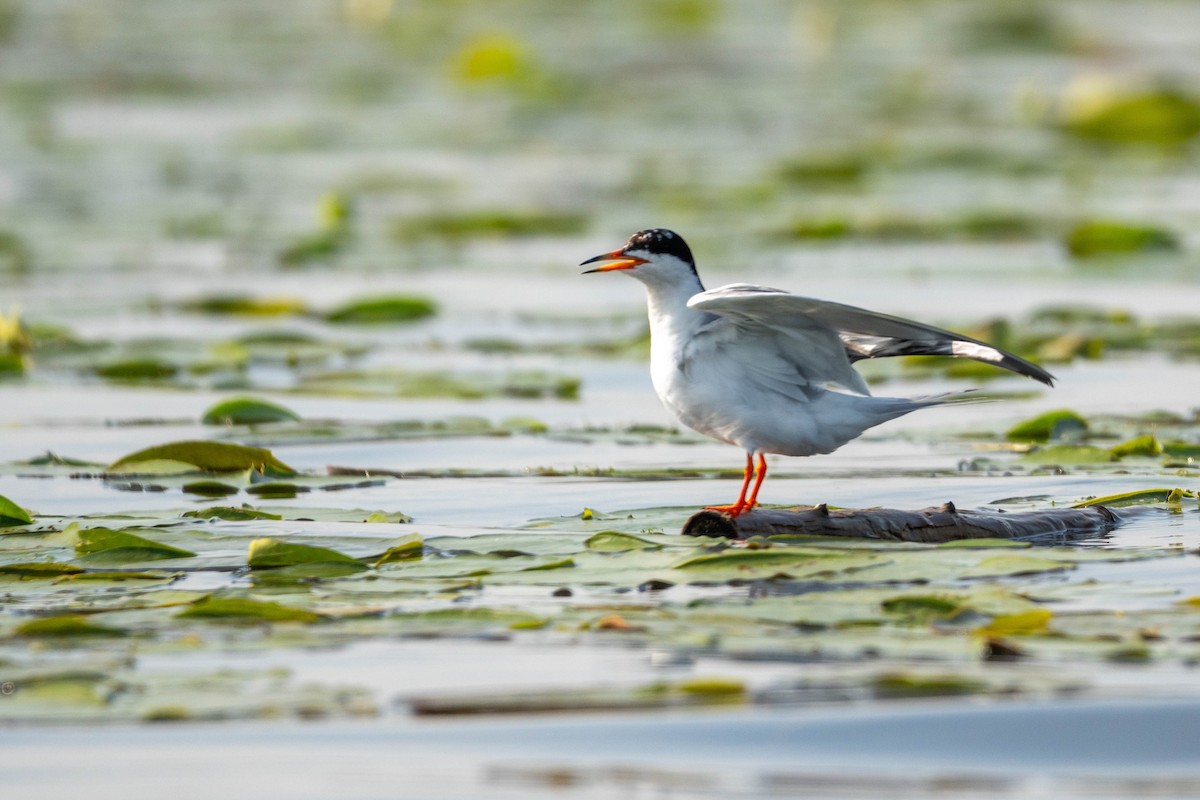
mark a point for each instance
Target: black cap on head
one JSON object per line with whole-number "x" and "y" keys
{"x": 661, "y": 241}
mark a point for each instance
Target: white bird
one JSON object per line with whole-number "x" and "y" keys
{"x": 769, "y": 371}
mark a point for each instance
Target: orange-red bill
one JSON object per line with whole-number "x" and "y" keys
{"x": 617, "y": 260}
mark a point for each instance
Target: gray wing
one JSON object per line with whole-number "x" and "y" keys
{"x": 862, "y": 333}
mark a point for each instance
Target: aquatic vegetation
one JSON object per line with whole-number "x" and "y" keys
{"x": 1050, "y": 426}
{"x": 457, "y": 228}
{"x": 1103, "y": 110}
{"x": 203, "y": 456}
{"x": 247, "y": 411}
{"x": 383, "y": 310}
{"x": 1110, "y": 238}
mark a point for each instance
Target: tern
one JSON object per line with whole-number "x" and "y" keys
{"x": 770, "y": 371}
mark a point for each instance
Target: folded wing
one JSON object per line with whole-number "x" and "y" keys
{"x": 863, "y": 334}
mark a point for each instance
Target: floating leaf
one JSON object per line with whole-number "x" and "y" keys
{"x": 244, "y": 609}
{"x": 1108, "y": 238}
{"x": 1140, "y": 497}
{"x": 276, "y": 490}
{"x": 617, "y": 542}
{"x": 66, "y": 626}
{"x": 1068, "y": 454}
{"x": 204, "y": 455}
{"x": 243, "y": 305}
{"x": 1035, "y": 622}
{"x": 382, "y": 310}
{"x": 209, "y": 489}
{"x": 12, "y": 514}
{"x": 138, "y": 369}
{"x": 111, "y": 545}
{"x": 1146, "y": 446}
{"x": 921, "y": 608}
{"x": 1095, "y": 109}
{"x": 407, "y": 549}
{"x": 42, "y": 569}
{"x": 1051, "y": 426}
{"x": 1014, "y": 564}
{"x": 894, "y": 685}
{"x": 267, "y": 553}
{"x": 231, "y": 513}
{"x": 247, "y": 411}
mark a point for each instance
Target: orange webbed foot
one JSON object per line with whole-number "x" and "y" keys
{"x": 733, "y": 510}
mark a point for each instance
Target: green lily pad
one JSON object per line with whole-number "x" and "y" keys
{"x": 40, "y": 569}
{"x": 409, "y": 548}
{"x": 1141, "y": 497}
{"x": 247, "y": 411}
{"x": 1026, "y": 623}
{"x": 244, "y": 609}
{"x": 1050, "y": 426}
{"x": 1070, "y": 454}
{"x": 120, "y": 546}
{"x": 383, "y": 310}
{"x": 267, "y": 553}
{"x": 137, "y": 369}
{"x": 205, "y": 456}
{"x": 617, "y": 542}
{"x": 1146, "y": 446}
{"x": 232, "y": 513}
{"x": 66, "y": 626}
{"x": 210, "y": 488}
{"x": 244, "y": 305}
{"x": 1108, "y": 238}
{"x": 1157, "y": 117}
{"x": 12, "y": 514}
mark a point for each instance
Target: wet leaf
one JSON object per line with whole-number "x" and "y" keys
{"x": 12, "y": 514}
{"x": 121, "y": 546}
{"x": 232, "y": 513}
{"x": 1050, "y": 426}
{"x": 245, "y": 305}
{"x": 1014, "y": 564}
{"x": 247, "y": 411}
{"x": 409, "y": 548}
{"x": 67, "y": 626}
{"x": 203, "y": 455}
{"x": 1068, "y": 454}
{"x": 921, "y": 608}
{"x": 617, "y": 542}
{"x": 41, "y": 569}
{"x": 267, "y": 553}
{"x": 1146, "y": 446}
{"x": 138, "y": 369}
{"x": 383, "y": 310}
{"x": 244, "y": 609}
{"x": 1137, "y": 498}
{"x": 1109, "y": 238}
{"x": 897, "y": 684}
{"x": 1108, "y": 113}
{"x": 210, "y": 488}
{"x": 1026, "y": 623}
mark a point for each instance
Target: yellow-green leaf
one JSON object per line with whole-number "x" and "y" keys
{"x": 1035, "y": 622}
{"x": 247, "y": 411}
{"x": 66, "y": 626}
{"x": 267, "y": 553}
{"x": 110, "y": 545}
{"x": 205, "y": 456}
{"x": 244, "y": 609}
{"x": 12, "y": 514}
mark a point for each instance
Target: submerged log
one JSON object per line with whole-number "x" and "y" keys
{"x": 941, "y": 524}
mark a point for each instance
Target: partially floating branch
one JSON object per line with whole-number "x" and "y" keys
{"x": 941, "y": 524}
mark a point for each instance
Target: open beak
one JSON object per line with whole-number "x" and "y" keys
{"x": 617, "y": 259}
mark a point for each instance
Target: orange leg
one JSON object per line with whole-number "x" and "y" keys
{"x": 758, "y": 481}
{"x": 742, "y": 505}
